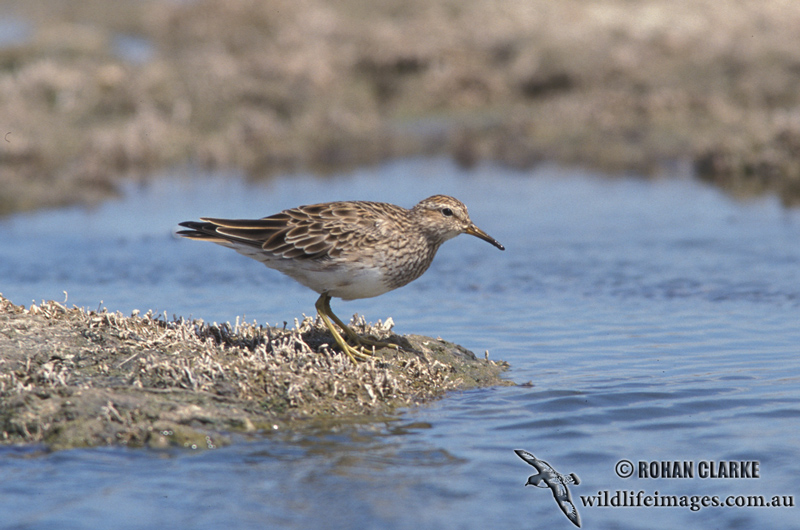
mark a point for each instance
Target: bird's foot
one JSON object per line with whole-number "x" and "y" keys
{"x": 364, "y": 347}
{"x": 369, "y": 342}
{"x": 358, "y": 353}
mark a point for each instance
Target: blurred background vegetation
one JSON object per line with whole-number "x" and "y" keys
{"x": 93, "y": 92}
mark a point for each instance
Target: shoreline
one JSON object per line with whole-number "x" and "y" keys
{"x": 275, "y": 86}
{"x": 76, "y": 378}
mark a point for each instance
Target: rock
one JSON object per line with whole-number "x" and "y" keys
{"x": 76, "y": 378}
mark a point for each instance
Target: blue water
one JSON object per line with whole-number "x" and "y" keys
{"x": 14, "y": 31}
{"x": 132, "y": 48}
{"x": 644, "y": 320}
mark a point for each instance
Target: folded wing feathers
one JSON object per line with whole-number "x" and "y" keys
{"x": 306, "y": 232}
{"x": 290, "y": 234}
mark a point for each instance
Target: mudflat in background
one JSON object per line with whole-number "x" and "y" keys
{"x": 96, "y": 92}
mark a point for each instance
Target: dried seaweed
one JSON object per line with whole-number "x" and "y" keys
{"x": 71, "y": 377}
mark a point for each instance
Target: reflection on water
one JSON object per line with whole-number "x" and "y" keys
{"x": 647, "y": 321}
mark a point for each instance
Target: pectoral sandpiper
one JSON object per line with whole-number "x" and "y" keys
{"x": 347, "y": 249}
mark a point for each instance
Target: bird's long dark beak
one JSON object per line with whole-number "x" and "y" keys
{"x": 477, "y": 232}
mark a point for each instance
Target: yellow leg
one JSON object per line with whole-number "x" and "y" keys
{"x": 352, "y": 335}
{"x": 323, "y": 306}
{"x": 324, "y": 310}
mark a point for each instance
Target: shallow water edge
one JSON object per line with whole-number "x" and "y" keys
{"x": 76, "y": 378}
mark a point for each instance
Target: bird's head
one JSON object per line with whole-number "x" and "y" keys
{"x": 534, "y": 480}
{"x": 445, "y": 217}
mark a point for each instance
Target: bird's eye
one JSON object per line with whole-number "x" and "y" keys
{"x": 447, "y": 212}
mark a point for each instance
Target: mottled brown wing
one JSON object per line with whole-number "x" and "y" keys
{"x": 307, "y": 232}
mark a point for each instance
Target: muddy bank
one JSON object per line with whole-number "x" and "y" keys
{"x": 96, "y": 92}
{"x": 72, "y": 378}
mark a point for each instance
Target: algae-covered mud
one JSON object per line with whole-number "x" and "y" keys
{"x": 94, "y": 92}
{"x": 71, "y": 377}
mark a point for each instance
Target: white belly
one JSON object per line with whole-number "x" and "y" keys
{"x": 346, "y": 284}
{"x": 348, "y": 280}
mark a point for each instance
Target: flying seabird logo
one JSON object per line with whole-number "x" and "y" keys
{"x": 547, "y": 477}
